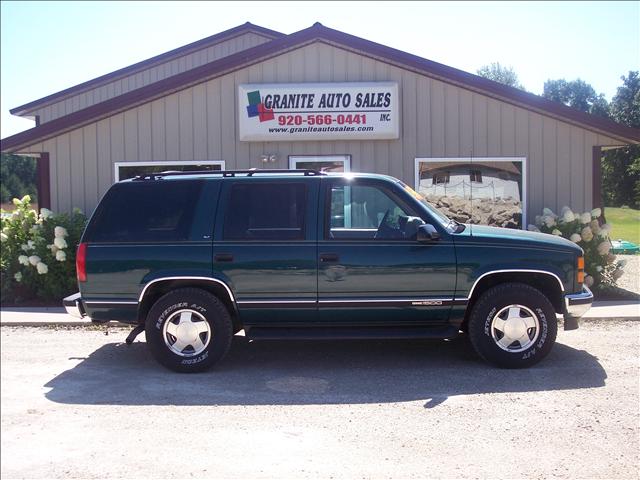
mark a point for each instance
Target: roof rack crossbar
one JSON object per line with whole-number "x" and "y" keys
{"x": 227, "y": 173}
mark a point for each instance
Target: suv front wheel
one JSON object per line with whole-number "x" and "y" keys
{"x": 188, "y": 330}
{"x": 513, "y": 325}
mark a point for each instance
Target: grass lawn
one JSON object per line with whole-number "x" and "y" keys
{"x": 625, "y": 223}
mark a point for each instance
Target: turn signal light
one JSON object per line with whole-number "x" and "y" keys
{"x": 81, "y": 262}
{"x": 580, "y": 270}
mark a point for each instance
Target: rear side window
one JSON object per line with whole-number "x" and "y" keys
{"x": 146, "y": 212}
{"x": 265, "y": 211}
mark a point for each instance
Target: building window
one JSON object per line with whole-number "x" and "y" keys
{"x": 486, "y": 190}
{"x": 124, "y": 170}
{"x": 476, "y": 176}
{"x": 322, "y": 163}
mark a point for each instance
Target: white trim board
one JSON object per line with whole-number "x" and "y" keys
{"x": 320, "y": 158}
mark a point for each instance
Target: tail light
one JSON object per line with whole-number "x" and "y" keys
{"x": 580, "y": 270}
{"x": 81, "y": 262}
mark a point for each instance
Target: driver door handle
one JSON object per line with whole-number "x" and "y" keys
{"x": 329, "y": 257}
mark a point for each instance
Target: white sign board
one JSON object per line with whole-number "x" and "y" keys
{"x": 318, "y": 111}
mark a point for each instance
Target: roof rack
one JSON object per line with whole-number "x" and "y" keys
{"x": 226, "y": 173}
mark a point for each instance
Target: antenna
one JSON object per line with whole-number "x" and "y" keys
{"x": 471, "y": 192}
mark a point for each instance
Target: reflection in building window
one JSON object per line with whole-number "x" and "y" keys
{"x": 475, "y": 176}
{"x": 486, "y": 191}
{"x": 440, "y": 177}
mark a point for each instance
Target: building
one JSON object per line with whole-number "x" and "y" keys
{"x": 251, "y": 97}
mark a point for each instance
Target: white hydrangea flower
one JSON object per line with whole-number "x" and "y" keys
{"x": 604, "y": 248}
{"x": 61, "y": 256}
{"x": 588, "y": 281}
{"x": 45, "y": 213}
{"x": 538, "y": 222}
{"x": 596, "y": 212}
{"x": 568, "y": 216}
{"x": 3, "y": 237}
{"x": 60, "y": 231}
{"x": 23, "y": 260}
{"x": 548, "y": 212}
{"x": 585, "y": 218}
{"x": 60, "y": 242}
{"x": 606, "y": 228}
{"x": 587, "y": 234}
{"x": 556, "y": 232}
{"x": 532, "y": 228}
{"x": 595, "y": 227}
{"x": 42, "y": 268}
{"x": 28, "y": 246}
{"x": 575, "y": 238}
{"x": 598, "y": 268}
{"x": 34, "y": 260}
{"x": 564, "y": 210}
{"x": 18, "y": 276}
{"x": 549, "y": 221}
{"x": 35, "y": 229}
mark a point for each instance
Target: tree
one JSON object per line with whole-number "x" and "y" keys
{"x": 500, "y": 74}
{"x": 621, "y": 167}
{"x": 17, "y": 177}
{"x": 577, "y": 94}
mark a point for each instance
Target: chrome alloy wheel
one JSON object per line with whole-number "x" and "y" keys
{"x": 186, "y": 333}
{"x": 515, "y": 328}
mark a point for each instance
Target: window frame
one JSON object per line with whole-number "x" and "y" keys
{"x": 346, "y": 159}
{"x": 117, "y": 165}
{"x": 227, "y": 211}
{"x": 469, "y": 161}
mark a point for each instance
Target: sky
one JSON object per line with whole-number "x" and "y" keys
{"x": 49, "y": 46}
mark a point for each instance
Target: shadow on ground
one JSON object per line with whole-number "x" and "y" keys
{"x": 301, "y": 373}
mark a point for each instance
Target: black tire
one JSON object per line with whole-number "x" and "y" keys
{"x": 532, "y": 306}
{"x": 201, "y": 306}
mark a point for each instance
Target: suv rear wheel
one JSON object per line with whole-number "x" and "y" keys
{"x": 513, "y": 325}
{"x": 188, "y": 330}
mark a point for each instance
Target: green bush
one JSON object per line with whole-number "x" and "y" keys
{"x": 38, "y": 252}
{"x": 600, "y": 264}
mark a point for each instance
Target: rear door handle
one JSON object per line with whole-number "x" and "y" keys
{"x": 223, "y": 257}
{"x": 329, "y": 257}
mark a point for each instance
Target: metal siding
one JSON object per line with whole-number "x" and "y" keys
{"x": 200, "y": 122}
{"x": 564, "y": 164}
{"x": 185, "y": 117}
{"x": 535, "y": 161}
{"x": 90, "y": 161}
{"x": 105, "y": 162}
{"x": 145, "y": 137}
{"x": 158, "y": 136}
{"x": 63, "y": 174}
{"x": 131, "y": 135}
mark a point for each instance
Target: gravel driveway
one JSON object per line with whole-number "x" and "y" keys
{"x": 77, "y": 403}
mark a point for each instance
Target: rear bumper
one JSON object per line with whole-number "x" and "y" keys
{"x": 74, "y": 306}
{"x": 576, "y": 305}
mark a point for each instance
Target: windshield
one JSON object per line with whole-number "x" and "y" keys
{"x": 437, "y": 214}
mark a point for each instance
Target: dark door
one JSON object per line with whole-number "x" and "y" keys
{"x": 371, "y": 269}
{"x": 265, "y": 247}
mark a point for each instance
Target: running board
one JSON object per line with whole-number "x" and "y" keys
{"x": 349, "y": 333}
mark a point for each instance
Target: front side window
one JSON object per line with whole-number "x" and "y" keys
{"x": 366, "y": 212}
{"x": 265, "y": 211}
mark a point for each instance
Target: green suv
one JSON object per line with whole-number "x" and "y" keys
{"x": 192, "y": 258}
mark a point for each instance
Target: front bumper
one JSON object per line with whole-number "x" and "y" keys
{"x": 73, "y": 305}
{"x": 576, "y": 305}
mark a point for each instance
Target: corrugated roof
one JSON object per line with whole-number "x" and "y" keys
{"x": 296, "y": 40}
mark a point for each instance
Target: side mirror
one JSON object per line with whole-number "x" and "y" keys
{"x": 427, "y": 233}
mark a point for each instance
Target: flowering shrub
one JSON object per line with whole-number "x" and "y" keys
{"x": 38, "y": 252}
{"x": 600, "y": 264}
